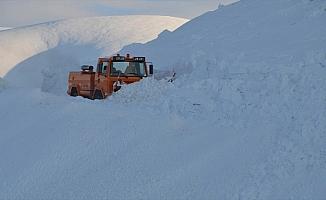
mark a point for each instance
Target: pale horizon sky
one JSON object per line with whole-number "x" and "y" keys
{"x": 14, "y": 13}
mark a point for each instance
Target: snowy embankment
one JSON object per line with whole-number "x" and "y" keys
{"x": 45, "y": 53}
{"x": 245, "y": 118}
{"x": 262, "y": 75}
{"x": 4, "y": 28}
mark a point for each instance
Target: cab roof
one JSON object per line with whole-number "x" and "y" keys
{"x": 119, "y": 58}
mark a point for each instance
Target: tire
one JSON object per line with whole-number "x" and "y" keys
{"x": 73, "y": 92}
{"x": 98, "y": 94}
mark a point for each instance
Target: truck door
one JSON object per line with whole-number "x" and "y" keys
{"x": 101, "y": 81}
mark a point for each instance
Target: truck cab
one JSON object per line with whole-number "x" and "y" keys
{"x": 110, "y": 74}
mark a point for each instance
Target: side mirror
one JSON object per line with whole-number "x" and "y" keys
{"x": 151, "y": 69}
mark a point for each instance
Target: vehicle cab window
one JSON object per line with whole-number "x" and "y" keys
{"x": 128, "y": 69}
{"x": 103, "y": 67}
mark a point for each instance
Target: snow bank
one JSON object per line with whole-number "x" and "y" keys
{"x": 45, "y": 53}
{"x": 243, "y": 120}
{"x": 259, "y": 72}
{"x": 4, "y": 28}
{"x": 233, "y": 34}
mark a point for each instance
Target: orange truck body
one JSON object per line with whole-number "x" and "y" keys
{"x": 110, "y": 74}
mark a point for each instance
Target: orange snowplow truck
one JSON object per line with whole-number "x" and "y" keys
{"x": 110, "y": 75}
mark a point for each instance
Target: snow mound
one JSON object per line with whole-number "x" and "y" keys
{"x": 233, "y": 34}
{"x": 244, "y": 119}
{"x": 40, "y": 56}
{"x": 261, "y": 71}
{"x": 4, "y": 28}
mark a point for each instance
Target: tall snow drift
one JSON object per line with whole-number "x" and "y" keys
{"x": 259, "y": 67}
{"x": 245, "y": 118}
{"x": 253, "y": 31}
{"x": 4, "y": 28}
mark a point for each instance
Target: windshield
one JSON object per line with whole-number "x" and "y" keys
{"x": 128, "y": 69}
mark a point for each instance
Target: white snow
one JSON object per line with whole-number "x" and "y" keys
{"x": 245, "y": 118}
{"x": 2, "y": 84}
{"x": 4, "y": 28}
{"x": 45, "y": 53}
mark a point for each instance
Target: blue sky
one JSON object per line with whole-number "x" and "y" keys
{"x": 15, "y": 13}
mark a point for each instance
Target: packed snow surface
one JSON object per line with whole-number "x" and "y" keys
{"x": 244, "y": 119}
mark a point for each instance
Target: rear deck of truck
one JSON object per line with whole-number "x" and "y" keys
{"x": 83, "y": 82}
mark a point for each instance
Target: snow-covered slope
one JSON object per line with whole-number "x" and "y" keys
{"x": 4, "y": 28}
{"x": 259, "y": 67}
{"x": 272, "y": 31}
{"x": 245, "y": 118}
{"x": 46, "y": 52}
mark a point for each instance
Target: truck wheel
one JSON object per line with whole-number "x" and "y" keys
{"x": 98, "y": 94}
{"x": 73, "y": 92}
